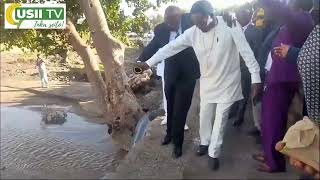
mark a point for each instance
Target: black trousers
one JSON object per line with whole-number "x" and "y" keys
{"x": 304, "y": 110}
{"x": 246, "y": 91}
{"x": 240, "y": 106}
{"x": 179, "y": 97}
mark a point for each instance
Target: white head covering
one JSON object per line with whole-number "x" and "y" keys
{"x": 285, "y": 1}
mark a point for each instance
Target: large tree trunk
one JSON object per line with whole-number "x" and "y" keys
{"x": 90, "y": 63}
{"x": 121, "y": 108}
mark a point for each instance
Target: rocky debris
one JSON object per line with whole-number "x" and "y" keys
{"x": 138, "y": 81}
{"x": 152, "y": 100}
{"x": 53, "y": 116}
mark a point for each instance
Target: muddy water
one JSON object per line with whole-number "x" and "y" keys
{"x": 75, "y": 149}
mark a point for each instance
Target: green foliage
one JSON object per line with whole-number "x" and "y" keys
{"x": 117, "y": 22}
{"x": 51, "y": 42}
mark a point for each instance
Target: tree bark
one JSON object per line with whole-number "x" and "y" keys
{"x": 90, "y": 63}
{"x": 120, "y": 106}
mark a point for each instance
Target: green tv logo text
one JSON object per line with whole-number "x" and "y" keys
{"x": 35, "y": 16}
{"x": 39, "y": 13}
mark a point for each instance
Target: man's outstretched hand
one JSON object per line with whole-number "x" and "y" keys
{"x": 256, "y": 92}
{"x": 144, "y": 66}
{"x": 298, "y": 164}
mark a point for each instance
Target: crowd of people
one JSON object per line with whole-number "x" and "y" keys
{"x": 259, "y": 56}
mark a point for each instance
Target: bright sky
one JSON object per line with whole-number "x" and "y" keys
{"x": 186, "y": 4}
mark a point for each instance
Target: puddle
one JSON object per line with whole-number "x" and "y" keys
{"x": 77, "y": 148}
{"x": 76, "y": 128}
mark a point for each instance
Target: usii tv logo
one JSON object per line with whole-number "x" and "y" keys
{"x": 35, "y": 16}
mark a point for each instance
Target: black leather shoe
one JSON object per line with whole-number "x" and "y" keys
{"x": 238, "y": 122}
{"x": 166, "y": 140}
{"x": 203, "y": 150}
{"x": 213, "y": 163}
{"x": 258, "y": 140}
{"x": 254, "y": 132}
{"x": 177, "y": 152}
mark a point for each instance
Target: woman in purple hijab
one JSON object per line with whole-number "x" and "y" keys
{"x": 282, "y": 79}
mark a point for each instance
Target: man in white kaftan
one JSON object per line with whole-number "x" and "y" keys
{"x": 217, "y": 48}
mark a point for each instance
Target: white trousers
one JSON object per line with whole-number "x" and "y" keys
{"x": 43, "y": 77}
{"x": 256, "y": 112}
{"x": 213, "y": 121}
{"x": 164, "y": 98}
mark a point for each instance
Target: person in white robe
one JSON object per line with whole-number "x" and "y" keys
{"x": 41, "y": 66}
{"x": 217, "y": 45}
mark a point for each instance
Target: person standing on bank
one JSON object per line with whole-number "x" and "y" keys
{"x": 217, "y": 47}
{"x": 180, "y": 74}
{"x": 40, "y": 65}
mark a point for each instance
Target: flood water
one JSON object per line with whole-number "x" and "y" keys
{"x": 77, "y": 148}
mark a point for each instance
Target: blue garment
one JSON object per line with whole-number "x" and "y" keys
{"x": 293, "y": 54}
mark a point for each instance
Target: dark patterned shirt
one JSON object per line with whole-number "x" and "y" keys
{"x": 309, "y": 67}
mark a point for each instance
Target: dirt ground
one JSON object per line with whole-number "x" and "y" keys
{"x": 18, "y": 67}
{"x": 17, "y": 64}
